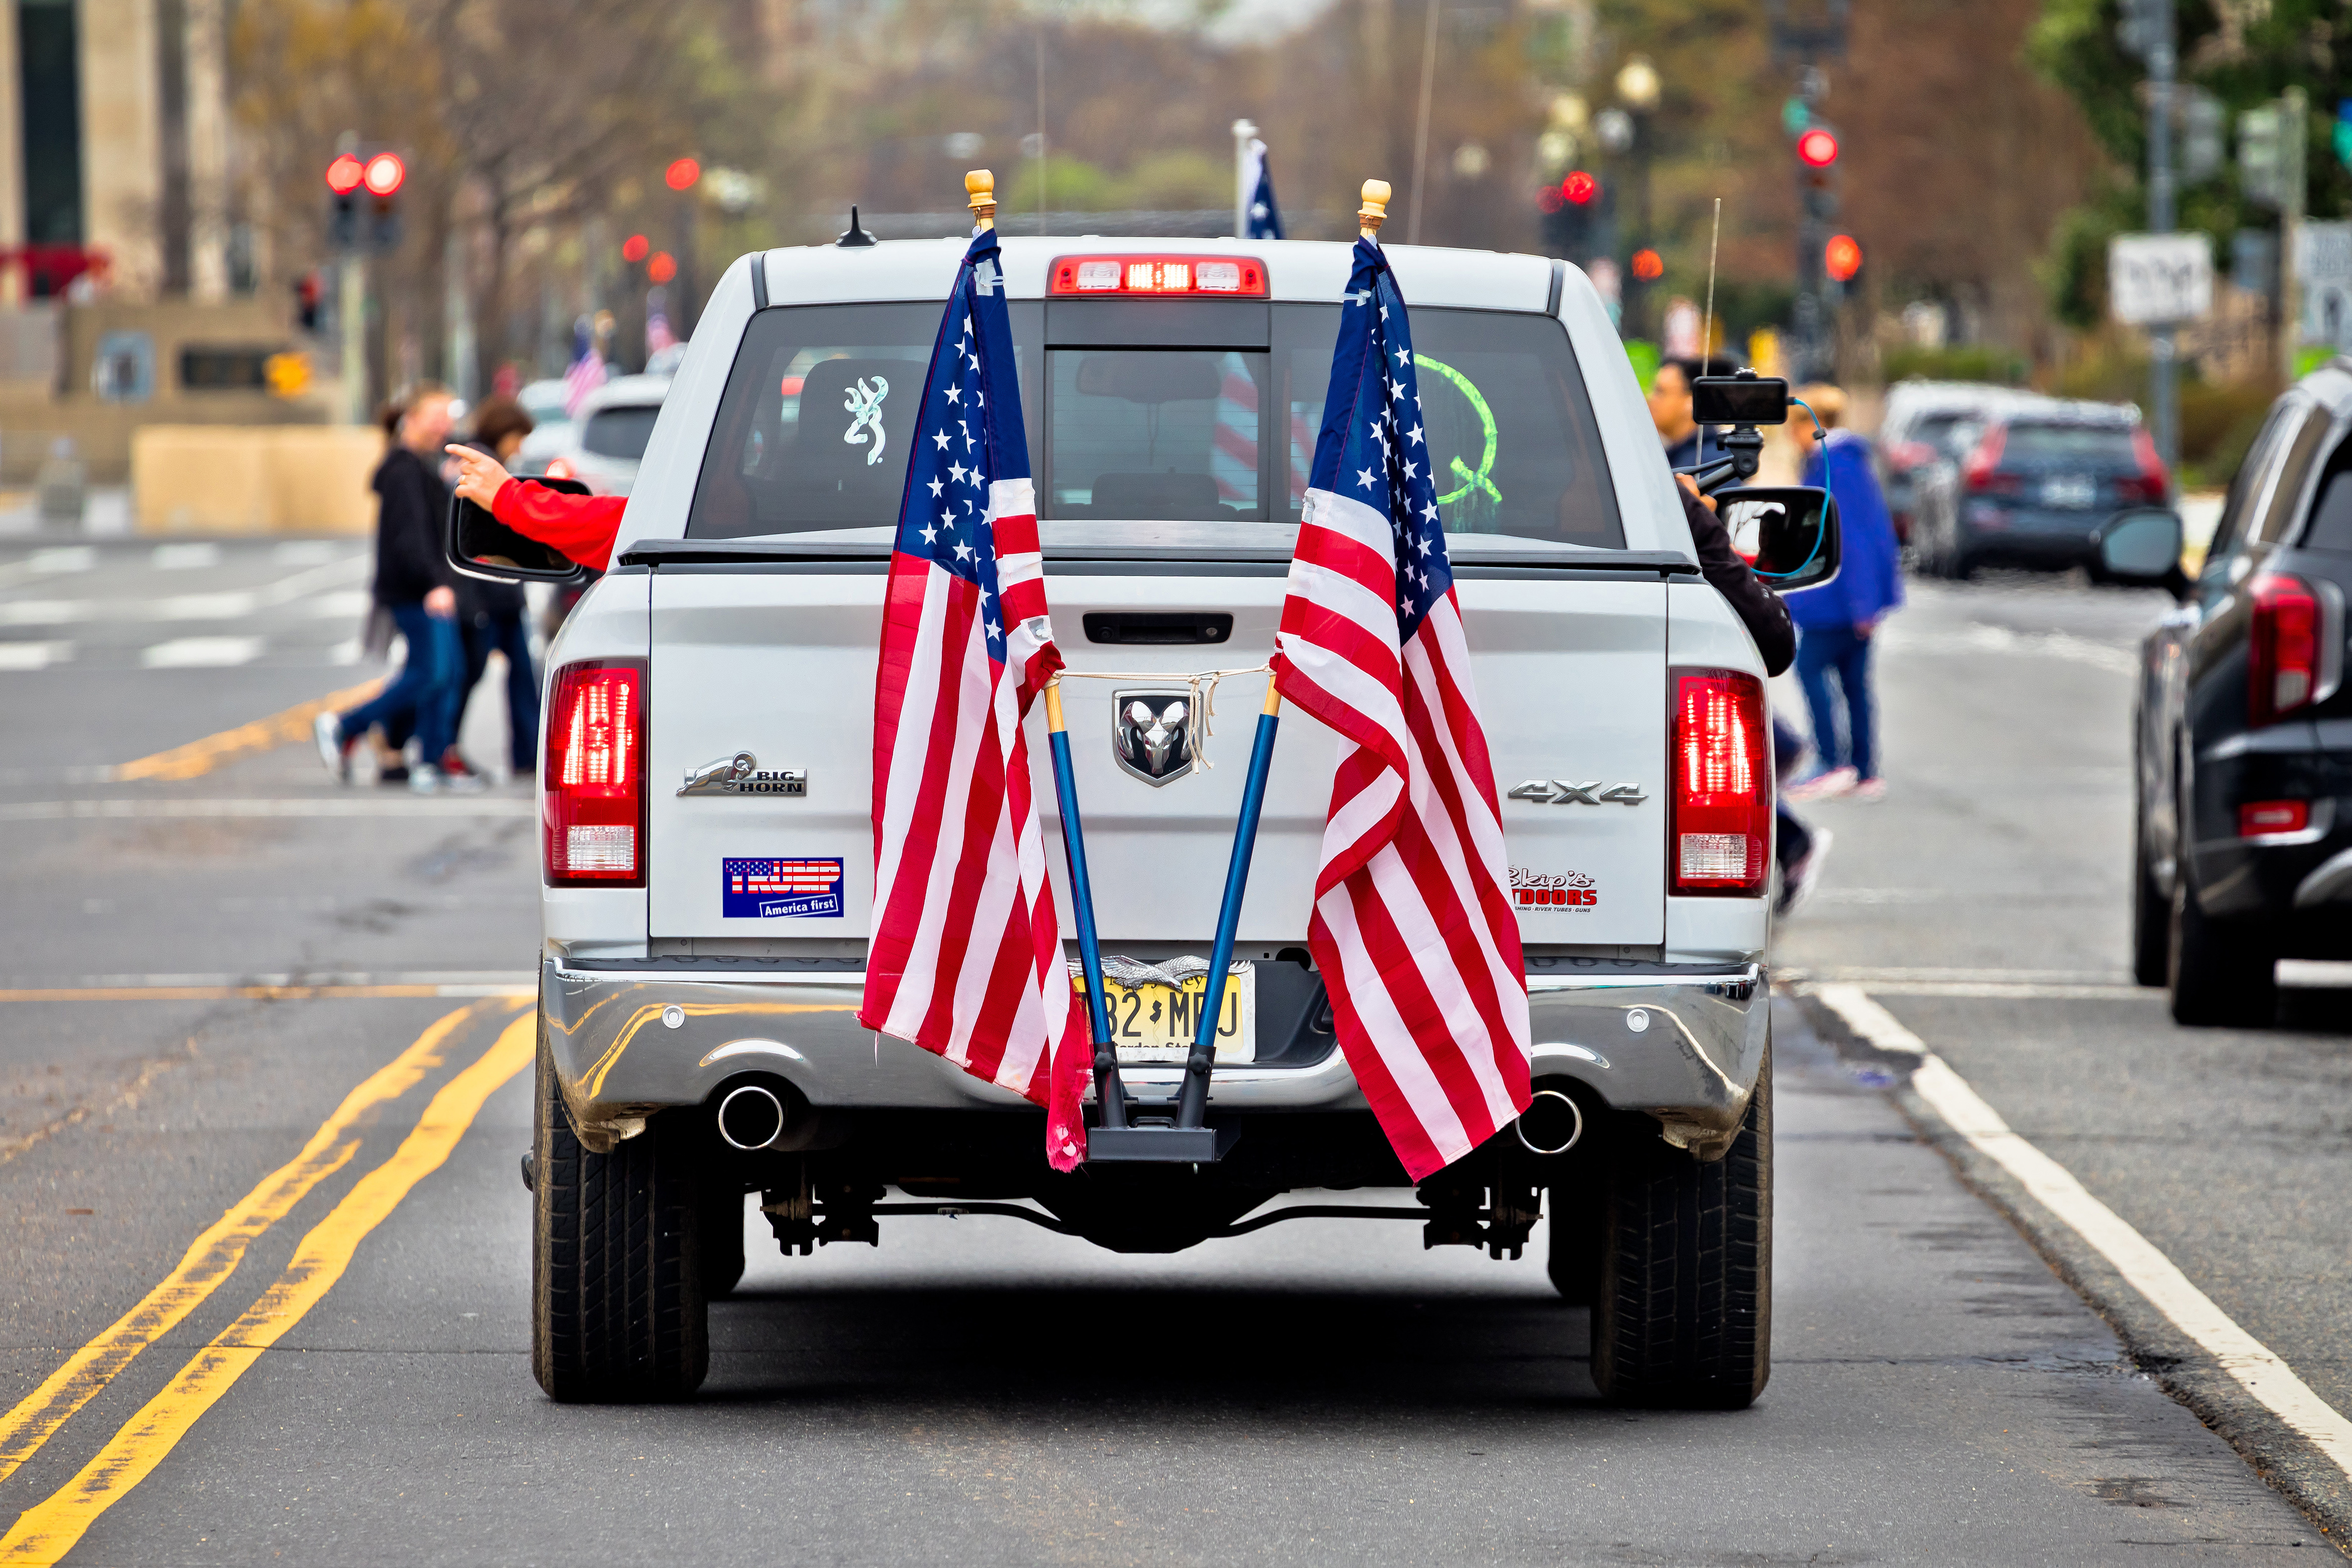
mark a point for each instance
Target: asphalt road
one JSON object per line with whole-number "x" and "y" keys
{"x": 225, "y": 1003}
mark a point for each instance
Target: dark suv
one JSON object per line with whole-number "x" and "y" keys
{"x": 2039, "y": 485}
{"x": 2243, "y": 736}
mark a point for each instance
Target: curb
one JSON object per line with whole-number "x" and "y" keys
{"x": 2281, "y": 1457}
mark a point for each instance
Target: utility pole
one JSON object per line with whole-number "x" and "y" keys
{"x": 2157, "y": 22}
{"x": 350, "y": 309}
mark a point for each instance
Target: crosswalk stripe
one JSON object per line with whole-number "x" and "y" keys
{"x": 201, "y": 653}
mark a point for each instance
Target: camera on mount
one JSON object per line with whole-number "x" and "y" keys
{"x": 1743, "y": 401}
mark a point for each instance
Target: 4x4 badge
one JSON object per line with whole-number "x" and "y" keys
{"x": 1560, "y": 792}
{"x": 740, "y": 775}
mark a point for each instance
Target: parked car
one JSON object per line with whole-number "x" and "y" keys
{"x": 2242, "y": 852}
{"x": 697, "y": 1044}
{"x": 1929, "y": 427}
{"x": 603, "y": 446}
{"x": 2038, "y": 485}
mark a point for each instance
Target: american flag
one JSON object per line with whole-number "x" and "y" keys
{"x": 966, "y": 956}
{"x": 1258, "y": 195}
{"x": 586, "y": 371}
{"x": 1412, "y": 927}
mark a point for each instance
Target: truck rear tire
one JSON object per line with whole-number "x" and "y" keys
{"x": 2224, "y": 974}
{"x": 617, "y": 1306}
{"x": 1684, "y": 1315}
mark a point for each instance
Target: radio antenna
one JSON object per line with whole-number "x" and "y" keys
{"x": 1707, "y": 330}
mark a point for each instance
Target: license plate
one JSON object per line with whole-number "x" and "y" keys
{"x": 2073, "y": 490}
{"x": 1155, "y": 1009}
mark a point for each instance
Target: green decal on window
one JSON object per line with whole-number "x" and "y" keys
{"x": 1471, "y": 479}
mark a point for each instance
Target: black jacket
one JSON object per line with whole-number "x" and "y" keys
{"x": 410, "y": 557}
{"x": 1758, "y": 607}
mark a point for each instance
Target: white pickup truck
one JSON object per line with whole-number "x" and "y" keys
{"x": 709, "y": 852}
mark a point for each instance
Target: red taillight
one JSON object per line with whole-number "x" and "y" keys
{"x": 1985, "y": 461}
{"x": 1111, "y": 276}
{"x": 2154, "y": 483}
{"x": 594, "y": 762}
{"x": 2263, "y": 818}
{"x": 1721, "y": 827}
{"x": 2283, "y": 650}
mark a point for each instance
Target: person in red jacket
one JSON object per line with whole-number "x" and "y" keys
{"x": 583, "y": 527}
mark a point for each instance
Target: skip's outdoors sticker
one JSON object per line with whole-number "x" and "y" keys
{"x": 1548, "y": 891}
{"x": 779, "y": 889}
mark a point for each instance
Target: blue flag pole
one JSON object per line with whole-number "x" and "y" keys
{"x": 1110, "y": 1092}
{"x": 1193, "y": 1100}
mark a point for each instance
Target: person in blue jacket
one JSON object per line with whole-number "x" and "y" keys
{"x": 1837, "y": 621}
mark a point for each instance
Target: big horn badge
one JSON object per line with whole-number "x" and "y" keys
{"x": 1152, "y": 733}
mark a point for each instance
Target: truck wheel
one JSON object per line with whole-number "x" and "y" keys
{"x": 2224, "y": 974}
{"x": 1683, "y": 1316}
{"x": 1574, "y": 1262}
{"x": 617, "y": 1305}
{"x": 721, "y": 1239}
{"x": 2151, "y": 930}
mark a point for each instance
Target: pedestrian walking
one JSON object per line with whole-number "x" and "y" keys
{"x": 490, "y": 615}
{"x": 1838, "y": 621}
{"x": 412, "y": 581}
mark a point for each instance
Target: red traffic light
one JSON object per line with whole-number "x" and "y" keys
{"x": 345, "y": 174}
{"x": 1841, "y": 258}
{"x": 1579, "y": 188}
{"x": 662, "y": 268}
{"x": 634, "y": 248}
{"x": 1649, "y": 266}
{"x": 1817, "y": 148}
{"x": 384, "y": 173}
{"x": 682, "y": 174}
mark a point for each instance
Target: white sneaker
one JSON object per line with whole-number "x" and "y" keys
{"x": 328, "y": 731}
{"x": 1824, "y": 786}
{"x": 424, "y": 779}
{"x": 1802, "y": 877}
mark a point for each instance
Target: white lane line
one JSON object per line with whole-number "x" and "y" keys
{"x": 184, "y": 558}
{"x": 2000, "y": 990}
{"x": 2256, "y": 1367}
{"x": 201, "y": 652}
{"x": 230, "y": 604}
{"x": 48, "y": 562}
{"x": 33, "y": 655}
{"x": 495, "y": 806}
{"x": 1877, "y": 979}
{"x": 43, "y": 611}
{"x": 1982, "y": 637}
{"x": 310, "y": 552}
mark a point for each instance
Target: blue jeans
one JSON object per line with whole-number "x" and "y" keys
{"x": 1824, "y": 650}
{"x": 505, "y": 634}
{"x": 428, "y": 683}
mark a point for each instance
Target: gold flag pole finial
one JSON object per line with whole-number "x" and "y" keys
{"x": 1375, "y": 210}
{"x": 982, "y": 184}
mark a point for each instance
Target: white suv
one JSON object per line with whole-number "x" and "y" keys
{"x": 705, "y": 802}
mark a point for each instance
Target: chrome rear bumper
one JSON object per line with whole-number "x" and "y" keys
{"x": 1685, "y": 1047}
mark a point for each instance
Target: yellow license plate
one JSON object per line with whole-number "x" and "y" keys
{"x": 1152, "y": 1021}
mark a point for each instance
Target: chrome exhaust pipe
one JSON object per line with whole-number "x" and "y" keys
{"x": 1551, "y": 1123}
{"x": 752, "y": 1118}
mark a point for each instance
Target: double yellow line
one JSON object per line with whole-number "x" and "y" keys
{"x": 48, "y": 1531}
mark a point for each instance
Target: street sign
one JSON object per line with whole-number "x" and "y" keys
{"x": 2158, "y": 278}
{"x": 2323, "y": 267}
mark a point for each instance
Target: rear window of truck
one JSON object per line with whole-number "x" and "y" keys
{"x": 1203, "y": 417}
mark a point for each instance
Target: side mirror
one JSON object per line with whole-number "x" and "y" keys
{"x": 1789, "y": 534}
{"x": 2140, "y": 547}
{"x": 481, "y": 546}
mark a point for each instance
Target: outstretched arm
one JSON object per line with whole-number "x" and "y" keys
{"x": 583, "y": 527}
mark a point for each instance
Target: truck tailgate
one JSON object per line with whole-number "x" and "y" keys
{"x": 1570, "y": 673}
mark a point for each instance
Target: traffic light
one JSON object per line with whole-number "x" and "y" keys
{"x": 362, "y": 210}
{"x": 1573, "y": 212}
{"x": 635, "y": 248}
{"x": 682, "y": 174}
{"x": 1842, "y": 259}
{"x": 383, "y": 176}
{"x": 1818, "y": 155}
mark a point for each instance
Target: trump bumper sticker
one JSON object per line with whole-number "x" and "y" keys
{"x": 779, "y": 889}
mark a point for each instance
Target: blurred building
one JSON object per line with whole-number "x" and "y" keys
{"x": 126, "y": 281}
